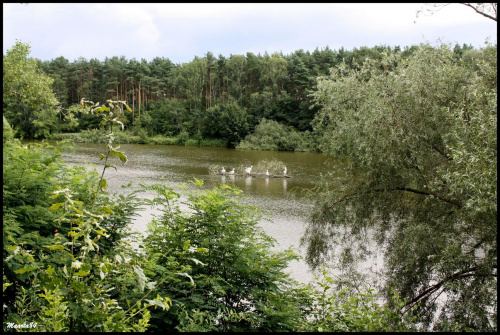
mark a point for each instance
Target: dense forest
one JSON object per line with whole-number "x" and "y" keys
{"x": 415, "y": 131}
{"x": 210, "y": 98}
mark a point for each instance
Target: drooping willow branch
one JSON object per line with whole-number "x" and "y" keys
{"x": 457, "y": 275}
{"x": 405, "y": 189}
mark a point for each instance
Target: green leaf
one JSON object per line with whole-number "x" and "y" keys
{"x": 151, "y": 285}
{"x": 110, "y": 166}
{"x": 102, "y": 109}
{"x": 196, "y": 261}
{"x": 156, "y": 303}
{"x": 76, "y": 210}
{"x": 119, "y": 259}
{"x": 55, "y": 247}
{"x": 188, "y": 276}
{"x": 27, "y": 268}
{"x": 106, "y": 209}
{"x": 141, "y": 278}
{"x": 50, "y": 271}
{"x": 103, "y": 184}
{"x": 120, "y": 155}
{"x": 56, "y": 206}
{"x": 5, "y": 285}
{"x": 82, "y": 273}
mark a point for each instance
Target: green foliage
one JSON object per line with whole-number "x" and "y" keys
{"x": 59, "y": 230}
{"x": 165, "y": 117}
{"x": 238, "y": 282}
{"x": 69, "y": 263}
{"x": 338, "y": 307}
{"x": 8, "y": 133}
{"x": 228, "y": 121}
{"x": 418, "y": 135}
{"x": 273, "y": 136}
{"x": 28, "y": 101}
{"x": 219, "y": 98}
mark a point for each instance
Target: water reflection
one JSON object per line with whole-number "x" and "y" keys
{"x": 267, "y": 181}
{"x": 248, "y": 182}
{"x": 284, "y": 185}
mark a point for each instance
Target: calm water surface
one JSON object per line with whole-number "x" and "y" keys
{"x": 281, "y": 199}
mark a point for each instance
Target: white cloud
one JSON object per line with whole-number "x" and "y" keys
{"x": 402, "y": 17}
{"x": 184, "y": 30}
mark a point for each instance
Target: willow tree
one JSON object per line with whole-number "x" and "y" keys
{"x": 418, "y": 137}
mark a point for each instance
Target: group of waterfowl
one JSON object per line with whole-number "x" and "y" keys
{"x": 248, "y": 171}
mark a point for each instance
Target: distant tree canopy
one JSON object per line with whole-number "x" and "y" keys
{"x": 273, "y": 86}
{"x": 181, "y": 100}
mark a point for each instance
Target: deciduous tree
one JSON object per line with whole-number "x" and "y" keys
{"x": 420, "y": 176}
{"x": 28, "y": 100}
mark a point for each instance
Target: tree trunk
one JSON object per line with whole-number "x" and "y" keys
{"x": 140, "y": 98}
{"x": 133, "y": 102}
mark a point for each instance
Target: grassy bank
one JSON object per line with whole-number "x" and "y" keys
{"x": 127, "y": 137}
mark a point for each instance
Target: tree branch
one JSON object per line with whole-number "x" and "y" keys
{"x": 457, "y": 275}
{"x": 444, "y": 154}
{"x": 407, "y": 189}
{"x": 440, "y": 197}
{"x": 482, "y": 13}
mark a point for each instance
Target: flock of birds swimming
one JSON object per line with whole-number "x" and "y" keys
{"x": 248, "y": 170}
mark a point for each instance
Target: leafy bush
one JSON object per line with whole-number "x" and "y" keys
{"x": 273, "y": 136}
{"x": 228, "y": 121}
{"x": 58, "y": 272}
{"x": 238, "y": 283}
{"x": 8, "y": 133}
{"x": 338, "y": 307}
{"x": 183, "y": 137}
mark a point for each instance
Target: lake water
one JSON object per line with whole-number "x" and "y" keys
{"x": 281, "y": 199}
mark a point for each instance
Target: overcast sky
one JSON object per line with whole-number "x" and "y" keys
{"x": 181, "y": 31}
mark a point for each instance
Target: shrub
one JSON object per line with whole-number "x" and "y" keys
{"x": 238, "y": 284}
{"x": 64, "y": 245}
{"x": 273, "y": 136}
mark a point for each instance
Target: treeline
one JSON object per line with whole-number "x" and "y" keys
{"x": 209, "y": 97}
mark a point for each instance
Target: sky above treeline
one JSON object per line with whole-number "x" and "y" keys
{"x": 182, "y": 31}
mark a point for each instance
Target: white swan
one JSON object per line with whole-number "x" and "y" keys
{"x": 231, "y": 172}
{"x": 223, "y": 171}
{"x": 248, "y": 170}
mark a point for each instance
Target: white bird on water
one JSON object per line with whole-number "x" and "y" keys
{"x": 231, "y": 172}
{"x": 248, "y": 170}
{"x": 223, "y": 171}
{"x": 267, "y": 173}
{"x": 284, "y": 172}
